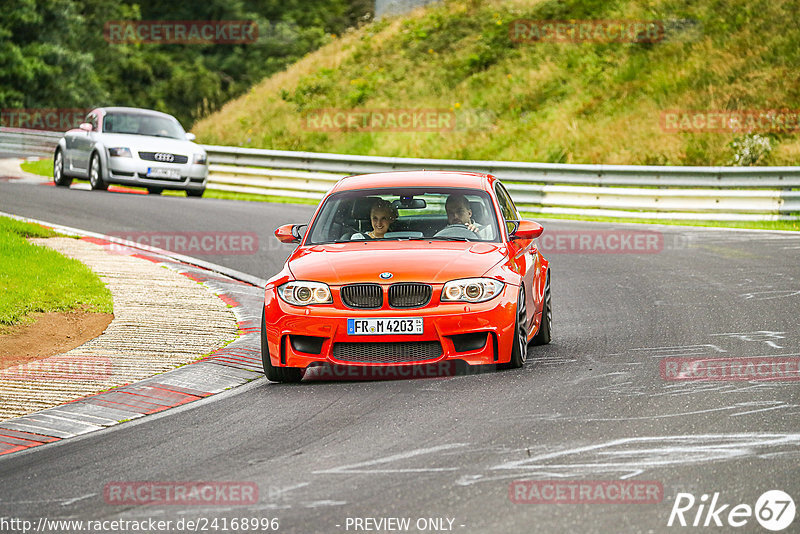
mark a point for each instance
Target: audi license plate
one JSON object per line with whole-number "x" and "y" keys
{"x": 384, "y": 325}
{"x": 156, "y": 172}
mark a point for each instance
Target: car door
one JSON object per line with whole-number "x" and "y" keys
{"x": 82, "y": 145}
{"x": 526, "y": 256}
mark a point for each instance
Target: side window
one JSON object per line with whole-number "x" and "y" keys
{"x": 510, "y": 212}
{"x": 91, "y": 118}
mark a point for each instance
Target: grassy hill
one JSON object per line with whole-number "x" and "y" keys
{"x": 587, "y": 102}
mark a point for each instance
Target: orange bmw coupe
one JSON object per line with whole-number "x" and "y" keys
{"x": 408, "y": 268}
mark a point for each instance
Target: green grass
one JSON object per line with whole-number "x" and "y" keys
{"x": 23, "y": 229}
{"x": 42, "y": 167}
{"x": 37, "y": 279}
{"x": 544, "y": 102}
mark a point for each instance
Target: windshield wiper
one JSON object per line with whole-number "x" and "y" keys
{"x": 441, "y": 238}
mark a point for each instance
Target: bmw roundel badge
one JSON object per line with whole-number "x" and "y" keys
{"x": 386, "y": 275}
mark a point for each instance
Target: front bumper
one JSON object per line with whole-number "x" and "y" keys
{"x": 302, "y": 336}
{"x": 133, "y": 171}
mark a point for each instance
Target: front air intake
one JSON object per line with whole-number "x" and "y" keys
{"x": 362, "y": 296}
{"x": 409, "y": 295}
{"x": 377, "y": 352}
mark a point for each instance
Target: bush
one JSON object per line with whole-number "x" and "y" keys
{"x": 749, "y": 149}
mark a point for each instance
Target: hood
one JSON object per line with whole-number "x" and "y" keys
{"x": 415, "y": 261}
{"x": 146, "y": 143}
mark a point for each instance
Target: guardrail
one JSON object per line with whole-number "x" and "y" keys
{"x": 629, "y": 191}
{"x": 28, "y": 142}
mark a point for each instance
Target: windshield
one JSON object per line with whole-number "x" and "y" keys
{"x": 143, "y": 124}
{"x": 406, "y": 214}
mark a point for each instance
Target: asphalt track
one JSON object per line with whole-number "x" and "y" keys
{"x": 593, "y": 405}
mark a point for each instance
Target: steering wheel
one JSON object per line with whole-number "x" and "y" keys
{"x": 456, "y": 230}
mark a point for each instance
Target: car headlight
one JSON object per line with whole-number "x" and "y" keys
{"x": 471, "y": 290}
{"x": 305, "y": 293}
{"x": 120, "y": 152}
{"x": 201, "y": 159}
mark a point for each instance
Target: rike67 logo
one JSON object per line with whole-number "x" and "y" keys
{"x": 774, "y": 510}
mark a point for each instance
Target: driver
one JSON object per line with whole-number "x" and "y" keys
{"x": 459, "y": 212}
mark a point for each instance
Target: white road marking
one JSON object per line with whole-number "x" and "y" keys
{"x": 318, "y": 504}
{"x": 76, "y": 499}
{"x": 680, "y": 350}
{"x": 763, "y": 336}
{"x": 781, "y": 407}
{"x": 355, "y": 468}
{"x": 628, "y": 457}
{"x": 748, "y": 406}
{"x": 770, "y": 295}
{"x": 281, "y": 491}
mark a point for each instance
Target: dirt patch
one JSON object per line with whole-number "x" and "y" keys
{"x": 50, "y": 334}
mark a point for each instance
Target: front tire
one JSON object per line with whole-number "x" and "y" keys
{"x": 59, "y": 177}
{"x": 154, "y": 190}
{"x": 195, "y": 192}
{"x": 276, "y": 374}
{"x": 545, "y": 332}
{"x": 96, "y": 174}
{"x": 519, "y": 351}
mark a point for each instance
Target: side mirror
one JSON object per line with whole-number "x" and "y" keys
{"x": 289, "y": 233}
{"x": 527, "y": 230}
{"x": 85, "y": 126}
{"x": 190, "y": 136}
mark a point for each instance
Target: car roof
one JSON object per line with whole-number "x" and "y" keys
{"x": 142, "y": 111}
{"x": 461, "y": 179}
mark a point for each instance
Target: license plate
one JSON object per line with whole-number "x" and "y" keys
{"x": 155, "y": 172}
{"x": 382, "y": 326}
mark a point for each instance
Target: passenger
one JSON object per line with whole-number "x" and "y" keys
{"x": 382, "y": 215}
{"x": 459, "y": 212}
